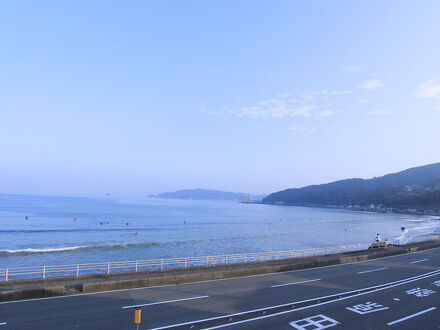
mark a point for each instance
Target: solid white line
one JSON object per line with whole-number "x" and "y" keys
{"x": 390, "y": 285}
{"x": 3, "y": 323}
{"x": 414, "y": 262}
{"x": 278, "y": 285}
{"x": 412, "y": 315}
{"x": 373, "y": 270}
{"x": 216, "y": 280}
{"x": 165, "y": 302}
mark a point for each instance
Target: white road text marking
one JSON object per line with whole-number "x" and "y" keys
{"x": 412, "y": 315}
{"x": 420, "y": 292}
{"x": 368, "y": 307}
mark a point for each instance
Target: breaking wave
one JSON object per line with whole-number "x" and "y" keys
{"x": 131, "y": 245}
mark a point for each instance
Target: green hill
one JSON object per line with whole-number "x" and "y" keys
{"x": 417, "y": 187}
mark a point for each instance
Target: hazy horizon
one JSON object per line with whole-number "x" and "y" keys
{"x": 147, "y": 97}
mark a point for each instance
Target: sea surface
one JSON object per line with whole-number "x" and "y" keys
{"x": 70, "y": 230}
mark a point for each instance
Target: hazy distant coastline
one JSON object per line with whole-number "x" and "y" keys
{"x": 207, "y": 194}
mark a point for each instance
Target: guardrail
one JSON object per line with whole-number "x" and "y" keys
{"x": 43, "y": 272}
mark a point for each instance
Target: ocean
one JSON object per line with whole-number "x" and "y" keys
{"x": 45, "y": 230}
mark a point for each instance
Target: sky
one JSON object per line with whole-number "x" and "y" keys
{"x": 139, "y": 97}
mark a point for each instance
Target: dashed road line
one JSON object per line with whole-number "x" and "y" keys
{"x": 164, "y": 302}
{"x": 373, "y": 270}
{"x": 417, "y": 261}
{"x": 3, "y": 323}
{"x": 278, "y": 285}
{"x": 411, "y": 316}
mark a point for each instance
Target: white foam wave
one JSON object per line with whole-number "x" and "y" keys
{"x": 60, "y": 249}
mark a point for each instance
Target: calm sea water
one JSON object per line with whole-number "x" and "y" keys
{"x": 110, "y": 230}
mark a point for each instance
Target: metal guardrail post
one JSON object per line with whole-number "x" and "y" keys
{"x": 136, "y": 265}
{"x": 245, "y": 257}
{"x": 77, "y": 270}
{"x": 6, "y": 276}
{"x": 185, "y": 262}
{"x": 226, "y": 259}
{"x": 161, "y": 265}
{"x": 206, "y": 261}
{"x": 44, "y": 272}
{"x": 108, "y": 267}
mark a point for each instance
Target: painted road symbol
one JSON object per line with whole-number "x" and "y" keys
{"x": 420, "y": 292}
{"x": 368, "y": 307}
{"x": 314, "y": 322}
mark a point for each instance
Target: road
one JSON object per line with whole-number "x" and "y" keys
{"x": 400, "y": 292}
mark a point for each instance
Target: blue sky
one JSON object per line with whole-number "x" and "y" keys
{"x": 137, "y": 97}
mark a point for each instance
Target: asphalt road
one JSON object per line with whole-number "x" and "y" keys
{"x": 394, "y": 292}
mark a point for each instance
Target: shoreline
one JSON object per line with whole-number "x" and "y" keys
{"x": 359, "y": 209}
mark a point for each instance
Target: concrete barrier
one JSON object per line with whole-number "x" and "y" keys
{"x": 11, "y": 295}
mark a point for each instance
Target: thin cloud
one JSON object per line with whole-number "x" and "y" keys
{"x": 275, "y": 108}
{"x": 212, "y": 113}
{"x": 325, "y": 113}
{"x": 344, "y": 92}
{"x": 363, "y": 101}
{"x": 436, "y": 107}
{"x": 380, "y": 112}
{"x": 284, "y": 95}
{"x": 371, "y": 84}
{"x": 429, "y": 89}
{"x": 308, "y": 130}
{"x": 352, "y": 68}
{"x": 311, "y": 95}
{"x": 284, "y": 105}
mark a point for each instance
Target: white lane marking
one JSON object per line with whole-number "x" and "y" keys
{"x": 417, "y": 261}
{"x": 165, "y": 302}
{"x": 373, "y": 270}
{"x": 396, "y": 299}
{"x": 278, "y": 285}
{"x": 216, "y": 280}
{"x": 412, "y": 315}
{"x": 3, "y": 323}
{"x": 390, "y": 285}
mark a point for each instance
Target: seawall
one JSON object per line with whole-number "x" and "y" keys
{"x": 37, "y": 288}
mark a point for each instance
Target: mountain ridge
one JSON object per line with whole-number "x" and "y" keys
{"x": 417, "y": 187}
